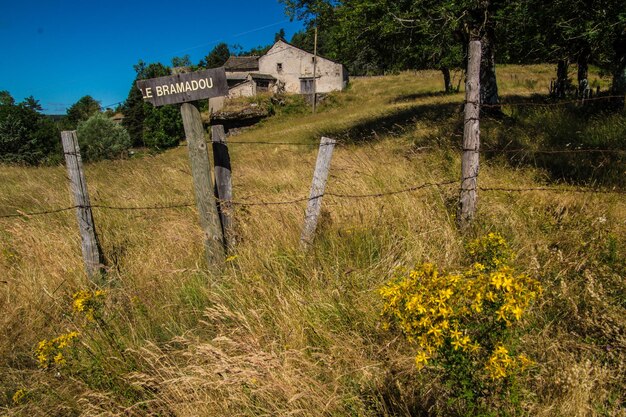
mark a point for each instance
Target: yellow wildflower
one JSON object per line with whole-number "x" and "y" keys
{"x": 507, "y": 282}
{"x": 501, "y": 350}
{"x": 59, "y": 359}
{"x": 421, "y": 359}
{"x": 501, "y": 314}
{"x": 525, "y": 361}
{"x": 89, "y": 303}
{"x": 456, "y": 344}
{"x": 18, "y": 396}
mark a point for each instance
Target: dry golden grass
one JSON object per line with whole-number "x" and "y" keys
{"x": 282, "y": 332}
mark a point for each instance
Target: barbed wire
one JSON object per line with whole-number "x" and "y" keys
{"x": 243, "y": 203}
{"x": 21, "y": 213}
{"x": 554, "y": 190}
{"x": 342, "y": 144}
{"x": 344, "y": 196}
{"x": 184, "y": 144}
{"x": 551, "y": 151}
{"x": 558, "y": 103}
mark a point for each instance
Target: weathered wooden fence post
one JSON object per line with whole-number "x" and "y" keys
{"x": 322, "y": 167}
{"x": 223, "y": 182}
{"x": 92, "y": 255}
{"x": 471, "y": 138}
{"x": 203, "y": 186}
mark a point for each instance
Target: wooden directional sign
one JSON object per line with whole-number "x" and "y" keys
{"x": 183, "y": 88}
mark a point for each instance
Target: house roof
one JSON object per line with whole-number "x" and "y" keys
{"x": 256, "y": 76}
{"x": 242, "y": 63}
{"x": 235, "y": 76}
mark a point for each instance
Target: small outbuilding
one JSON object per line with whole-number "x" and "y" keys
{"x": 253, "y": 84}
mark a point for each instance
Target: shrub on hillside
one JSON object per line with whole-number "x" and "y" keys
{"x": 101, "y": 138}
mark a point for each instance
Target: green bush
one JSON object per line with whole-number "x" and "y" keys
{"x": 101, "y": 138}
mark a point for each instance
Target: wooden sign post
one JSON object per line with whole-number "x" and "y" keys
{"x": 185, "y": 88}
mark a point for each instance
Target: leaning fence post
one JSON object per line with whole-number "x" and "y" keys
{"x": 322, "y": 167}
{"x": 471, "y": 138}
{"x": 223, "y": 182}
{"x": 203, "y": 186}
{"x": 78, "y": 185}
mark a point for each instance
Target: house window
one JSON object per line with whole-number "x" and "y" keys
{"x": 279, "y": 67}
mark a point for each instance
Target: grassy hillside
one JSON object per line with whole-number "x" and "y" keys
{"x": 281, "y": 332}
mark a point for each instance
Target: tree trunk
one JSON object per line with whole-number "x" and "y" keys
{"x": 583, "y": 74}
{"x": 488, "y": 82}
{"x": 619, "y": 71}
{"x": 619, "y": 80}
{"x": 447, "y": 80}
{"x": 561, "y": 78}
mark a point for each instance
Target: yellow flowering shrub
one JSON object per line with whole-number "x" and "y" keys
{"x": 89, "y": 303}
{"x": 461, "y": 322}
{"x": 52, "y": 352}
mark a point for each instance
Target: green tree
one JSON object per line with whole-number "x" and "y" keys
{"x": 6, "y": 99}
{"x": 256, "y": 51}
{"x": 27, "y": 136}
{"x": 377, "y": 36}
{"x": 217, "y": 57}
{"x": 583, "y": 32}
{"x": 80, "y": 111}
{"x": 181, "y": 61}
{"x": 101, "y": 138}
{"x": 32, "y": 104}
{"x": 155, "y": 127}
{"x": 163, "y": 127}
{"x": 280, "y": 35}
{"x": 134, "y": 108}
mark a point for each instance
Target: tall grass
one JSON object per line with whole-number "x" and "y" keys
{"x": 282, "y": 332}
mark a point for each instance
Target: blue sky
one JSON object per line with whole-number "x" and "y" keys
{"x": 61, "y": 50}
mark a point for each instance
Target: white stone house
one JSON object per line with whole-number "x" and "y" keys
{"x": 284, "y": 68}
{"x": 293, "y": 68}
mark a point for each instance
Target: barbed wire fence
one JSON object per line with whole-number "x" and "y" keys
{"x": 17, "y": 213}
{"x": 24, "y": 213}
